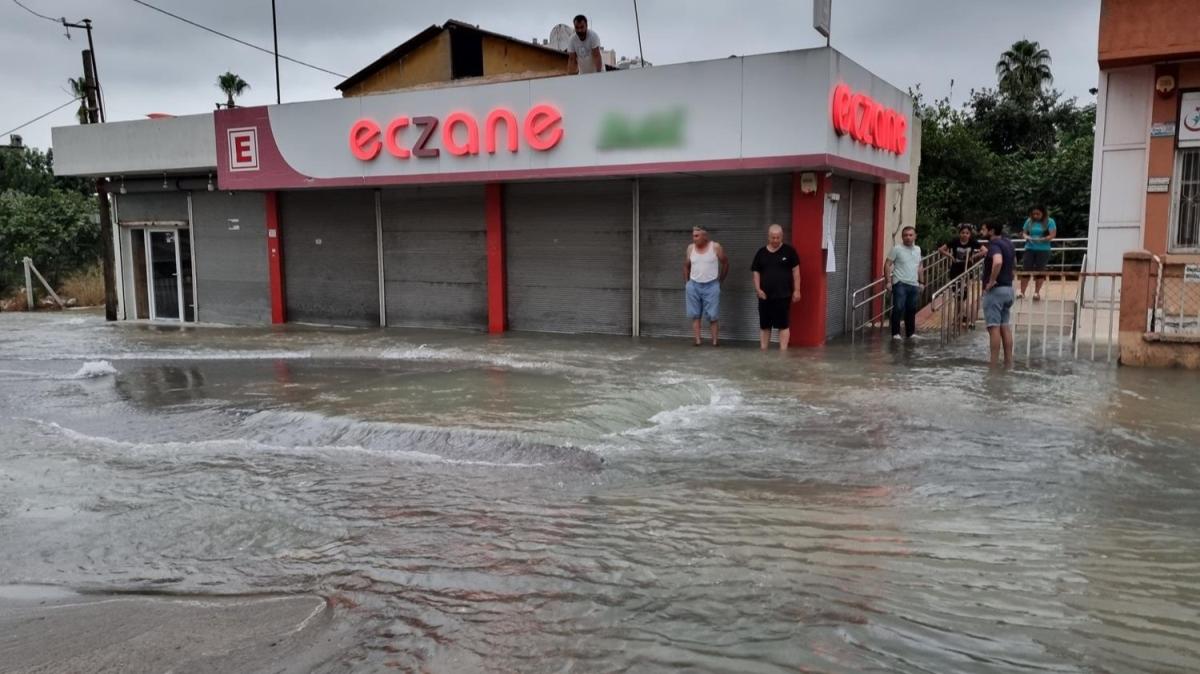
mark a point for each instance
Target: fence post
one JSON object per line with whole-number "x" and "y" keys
{"x": 28, "y": 285}
{"x": 1136, "y": 299}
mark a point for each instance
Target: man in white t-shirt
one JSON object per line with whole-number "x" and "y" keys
{"x": 583, "y": 52}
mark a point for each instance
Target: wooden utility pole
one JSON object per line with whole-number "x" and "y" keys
{"x": 92, "y": 90}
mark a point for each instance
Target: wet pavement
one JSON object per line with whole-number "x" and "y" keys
{"x": 550, "y": 503}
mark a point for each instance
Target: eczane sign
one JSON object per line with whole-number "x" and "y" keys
{"x": 460, "y": 135}
{"x": 868, "y": 122}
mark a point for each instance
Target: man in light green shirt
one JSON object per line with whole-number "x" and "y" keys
{"x": 904, "y": 271}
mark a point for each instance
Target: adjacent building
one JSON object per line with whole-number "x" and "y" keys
{"x": 1146, "y": 173}
{"x": 435, "y": 195}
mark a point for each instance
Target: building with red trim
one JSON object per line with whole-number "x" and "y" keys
{"x": 559, "y": 204}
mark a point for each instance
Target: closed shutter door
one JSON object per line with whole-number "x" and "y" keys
{"x": 329, "y": 256}
{"x": 146, "y": 208}
{"x": 435, "y": 257}
{"x": 736, "y": 211}
{"x": 835, "y": 311}
{"x": 570, "y": 256}
{"x": 862, "y": 239}
{"x": 230, "y": 235}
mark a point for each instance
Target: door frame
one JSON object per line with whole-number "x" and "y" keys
{"x": 177, "y": 230}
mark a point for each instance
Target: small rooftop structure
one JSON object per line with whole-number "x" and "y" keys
{"x": 452, "y": 51}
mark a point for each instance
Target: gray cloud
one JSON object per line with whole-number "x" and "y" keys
{"x": 151, "y": 63}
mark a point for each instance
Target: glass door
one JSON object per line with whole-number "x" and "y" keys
{"x": 162, "y": 251}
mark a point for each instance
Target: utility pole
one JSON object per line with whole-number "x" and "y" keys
{"x": 95, "y": 115}
{"x": 638, "y": 23}
{"x": 86, "y": 24}
{"x": 275, "y": 33}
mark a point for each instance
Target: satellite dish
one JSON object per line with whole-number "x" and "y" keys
{"x": 560, "y": 37}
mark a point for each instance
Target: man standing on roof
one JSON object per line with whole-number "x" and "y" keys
{"x": 583, "y": 52}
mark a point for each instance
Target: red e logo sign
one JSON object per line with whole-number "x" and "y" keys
{"x": 243, "y": 149}
{"x": 868, "y": 122}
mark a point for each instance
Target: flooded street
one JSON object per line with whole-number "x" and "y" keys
{"x": 543, "y": 503}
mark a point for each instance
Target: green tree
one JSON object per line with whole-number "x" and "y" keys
{"x": 1024, "y": 69}
{"x": 47, "y": 217}
{"x": 55, "y": 229}
{"x": 1006, "y": 149}
{"x": 231, "y": 85}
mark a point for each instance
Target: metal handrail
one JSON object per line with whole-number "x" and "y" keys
{"x": 960, "y": 302}
{"x": 872, "y": 302}
{"x": 1155, "y": 308}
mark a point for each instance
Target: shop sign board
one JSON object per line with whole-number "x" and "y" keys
{"x": 766, "y": 112}
{"x": 1158, "y": 185}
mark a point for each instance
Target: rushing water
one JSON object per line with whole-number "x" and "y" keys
{"x": 543, "y": 503}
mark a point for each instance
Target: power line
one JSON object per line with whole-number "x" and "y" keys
{"x": 47, "y": 114}
{"x": 230, "y": 37}
{"x": 40, "y": 16}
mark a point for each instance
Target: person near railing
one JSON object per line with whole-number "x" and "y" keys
{"x": 960, "y": 251}
{"x": 1039, "y": 230}
{"x": 998, "y": 269}
{"x": 904, "y": 270}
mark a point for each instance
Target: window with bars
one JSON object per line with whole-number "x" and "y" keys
{"x": 1187, "y": 208}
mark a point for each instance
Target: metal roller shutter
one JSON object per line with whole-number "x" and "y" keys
{"x": 570, "y": 256}
{"x": 435, "y": 257}
{"x": 230, "y": 237}
{"x": 150, "y": 207}
{"x": 329, "y": 256}
{"x": 835, "y": 311}
{"x": 862, "y": 238}
{"x": 736, "y": 211}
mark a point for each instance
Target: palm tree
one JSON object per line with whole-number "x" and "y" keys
{"x": 231, "y": 85}
{"x": 1024, "y": 69}
{"x": 79, "y": 90}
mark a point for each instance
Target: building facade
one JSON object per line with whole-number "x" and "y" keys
{"x": 559, "y": 204}
{"x": 1146, "y": 171}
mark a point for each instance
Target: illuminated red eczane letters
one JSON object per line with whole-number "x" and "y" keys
{"x": 868, "y": 122}
{"x": 460, "y": 134}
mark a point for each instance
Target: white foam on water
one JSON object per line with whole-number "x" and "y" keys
{"x": 94, "y": 368}
{"x": 503, "y": 360}
{"x": 175, "y": 355}
{"x": 248, "y": 446}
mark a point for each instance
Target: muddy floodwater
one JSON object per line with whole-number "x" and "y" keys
{"x": 543, "y": 503}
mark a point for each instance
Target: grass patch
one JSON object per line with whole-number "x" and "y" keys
{"x": 85, "y": 286}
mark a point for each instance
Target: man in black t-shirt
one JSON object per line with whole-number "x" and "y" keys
{"x": 776, "y": 270}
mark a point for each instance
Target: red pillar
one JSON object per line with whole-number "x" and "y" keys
{"x": 275, "y": 259}
{"x": 808, "y": 214}
{"x": 497, "y": 279}
{"x": 880, "y": 236}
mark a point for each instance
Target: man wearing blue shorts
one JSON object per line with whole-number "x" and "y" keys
{"x": 998, "y": 265}
{"x": 704, "y": 268}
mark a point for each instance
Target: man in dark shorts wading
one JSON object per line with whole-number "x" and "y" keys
{"x": 998, "y": 265}
{"x": 776, "y": 270}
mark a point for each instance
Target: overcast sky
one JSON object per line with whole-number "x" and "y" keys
{"x": 152, "y": 63}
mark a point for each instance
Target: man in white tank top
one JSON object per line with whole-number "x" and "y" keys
{"x": 704, "y": 268}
